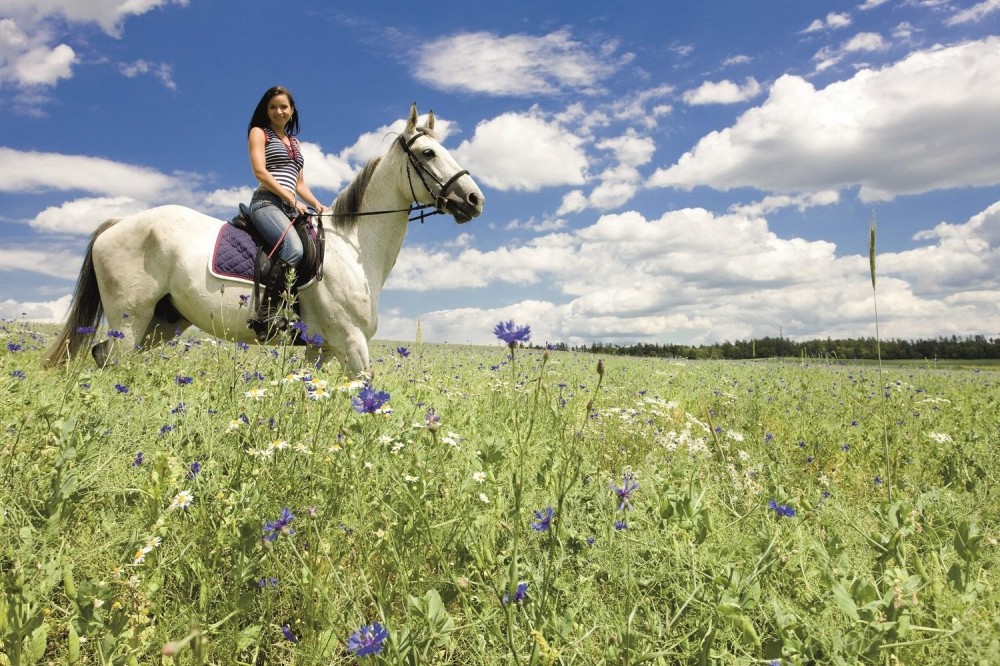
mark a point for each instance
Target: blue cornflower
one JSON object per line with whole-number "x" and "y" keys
{"x": 300, "y": 326}
{"x": 179, "y": 408}
{"x": 511, "y": 333}
{"x": 138, "y": 460}
{"x": 403, "y": 351}
{"x": 274, "y": 529}
{"x": 591, "y": 540}
{"x": 520, "y": 594}
{"x": 271, "y": 582}
{"x": 13, "y": 347}
{"x": 369, "y": 401}
{"x": 18, "y": 374}
{"x": 165, "y": 428}
{"x": 544, "y": 519}
{"x": 184, "y": 381}
{"x": 768, "y": 437}
{"x": 242, "y": 346}
{"x": 121, "y": 388}
{"x": 621, "y": 525}
{"x": 193, "y": 471}
{"x": 629, "y": 486}
{"x": 287, "y": 631}
{"x": 118, "y": 335}
{"x": 367, "y": 640}
{"x": 314, "y": 340}
{"x": 781, "y": 509}
{"x": 877, "y": 480}
{"x": 433, "y": 420}
{"x": 85, "y": 330}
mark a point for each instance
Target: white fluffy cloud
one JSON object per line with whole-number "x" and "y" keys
{"x": 37, "y": 171}
{"x": 832, "y": 21}
{"x": 49, "y": 312}
{"x": 696, "y": 276}
{"x": 83, "y": 216}
{"x": 32, "y": 60}
{"x": 109, "y": 14}
{"x": 517, "y": 65}
{"x": 722, "y": 92}
{"x": 914, "y": 126}
{"x": 524, "y": 151}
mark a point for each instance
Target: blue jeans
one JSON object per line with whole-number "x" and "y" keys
{"x": 272, "y": 216}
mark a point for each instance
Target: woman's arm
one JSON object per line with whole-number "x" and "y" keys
{"x": 258, "y": 163}
{"x": 303, "y": 191}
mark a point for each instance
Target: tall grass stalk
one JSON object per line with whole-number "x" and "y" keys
{"x": 878, "y": 351}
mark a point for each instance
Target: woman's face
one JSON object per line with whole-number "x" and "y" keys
{"x": 279, "y": 111}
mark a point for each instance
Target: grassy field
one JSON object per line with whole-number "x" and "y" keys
{"x": 208, "y": 503}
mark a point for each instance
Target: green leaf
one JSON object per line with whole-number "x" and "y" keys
{"x": 844, "y": 601}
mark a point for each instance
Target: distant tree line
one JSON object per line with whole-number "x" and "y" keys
{"x": 969, "y": 347}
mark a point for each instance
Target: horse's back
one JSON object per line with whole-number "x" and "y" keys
{"x": 164, "y": 229}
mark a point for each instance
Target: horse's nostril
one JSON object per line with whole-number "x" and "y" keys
{"x": 474, "y": 199}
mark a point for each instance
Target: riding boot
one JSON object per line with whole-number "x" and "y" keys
{"x": 270, "y": 320}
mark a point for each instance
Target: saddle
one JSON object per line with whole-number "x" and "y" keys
{"x": 241, "y": 252}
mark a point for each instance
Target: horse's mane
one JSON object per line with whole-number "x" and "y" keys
{"x": 348, "y": 202}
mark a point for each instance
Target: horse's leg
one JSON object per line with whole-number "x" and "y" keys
{"x": 358, "y": 362}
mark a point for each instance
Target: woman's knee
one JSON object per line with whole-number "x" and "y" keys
{"x": 291, "y": 249}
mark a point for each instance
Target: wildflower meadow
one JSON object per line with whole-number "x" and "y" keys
{"x": 210, "y": 503}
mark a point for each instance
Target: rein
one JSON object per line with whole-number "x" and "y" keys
{"x": 415, "y": 210}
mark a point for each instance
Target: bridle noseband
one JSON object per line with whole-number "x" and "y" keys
{"x": 441, "y": 198}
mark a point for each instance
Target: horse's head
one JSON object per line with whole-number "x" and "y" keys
{"x": 442, "y": 181}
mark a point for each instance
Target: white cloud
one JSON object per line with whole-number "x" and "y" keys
{"x": 52, "y": 312}
{"x": 963, "y": 256}
{"x": 911, "y": 127}
{"x": 775, "y": 202}
{"x": 83, "y": 216}
{"x": 533, "y": 225}
{"x": 517, "y": 65}
{"x": 722, "y": 92}
{"x": 33, "y": 55}
{"x": 55, "y": 263}
{"x": 162, "y": 71}
{"x": 863, "y": 42}
{"x": 32, "y": 60}
{"x": 975, "y": 13}
{"x": 36, "y": 171}
{"x": 109, "y": 14}
{"x": 524, "y": 151}
{"x": 323, "y": 171}
{"x": 832, "y": 21}
{"x": 225, "y": 202}
{"x": 696, "y": 276}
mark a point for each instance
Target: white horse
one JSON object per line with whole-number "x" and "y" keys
{"x": 148, "y": 273}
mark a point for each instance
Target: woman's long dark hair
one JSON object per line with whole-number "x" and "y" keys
{"x": 260, "y": 119}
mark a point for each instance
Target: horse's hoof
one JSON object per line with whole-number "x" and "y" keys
{"x": 100, "y": 353}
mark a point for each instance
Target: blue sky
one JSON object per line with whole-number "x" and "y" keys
{"x": 654, "y": 171}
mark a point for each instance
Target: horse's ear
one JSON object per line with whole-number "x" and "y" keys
{"x": 430, "y": 119}
{"x": 411, "y": 124}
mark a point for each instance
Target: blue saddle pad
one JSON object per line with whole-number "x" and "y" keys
{"x": 234, "y": 254}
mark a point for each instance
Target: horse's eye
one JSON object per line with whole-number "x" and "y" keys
{"x": 428, "y": 153}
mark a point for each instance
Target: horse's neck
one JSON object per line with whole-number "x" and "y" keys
{"x": 380, "y": 237}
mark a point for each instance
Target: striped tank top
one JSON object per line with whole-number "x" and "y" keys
{"x": 283, "y": 162}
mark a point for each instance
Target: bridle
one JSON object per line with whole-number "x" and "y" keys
{"x": 415, "y": 210}
{"x": 441, "y": 198}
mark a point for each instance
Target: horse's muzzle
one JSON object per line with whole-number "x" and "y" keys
{"x": 462, "y": 208}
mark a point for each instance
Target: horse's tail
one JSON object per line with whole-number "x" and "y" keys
{"x": 85, "y": 310}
